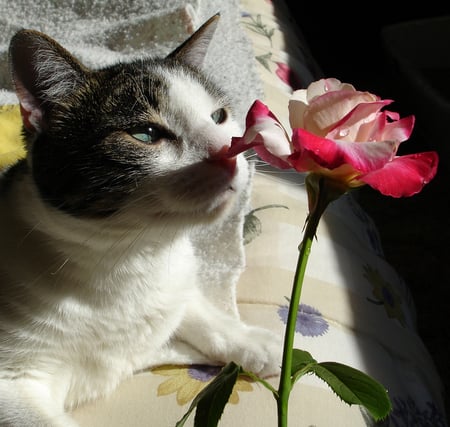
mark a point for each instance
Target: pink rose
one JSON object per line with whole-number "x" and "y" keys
{"x": 343, "y": 134}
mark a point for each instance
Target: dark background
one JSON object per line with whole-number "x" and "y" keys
{"x": 348, "y": 44}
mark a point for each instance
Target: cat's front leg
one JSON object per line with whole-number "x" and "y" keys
{"x": 29, "y": 403}
{"x": 225, "y": 338}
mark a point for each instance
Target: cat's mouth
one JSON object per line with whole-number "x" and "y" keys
{"x": 226, "y": 163}
{"x": 210, "y": 187}
{"x": 221, "y": 183}
{"x": 202, "y": 190}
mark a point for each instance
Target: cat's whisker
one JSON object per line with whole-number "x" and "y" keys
{"x": 287, "y": 175}
{"x": 22, "y": 241}
{"x": 141, "y": 98}
{"x": 116, "y": 243}
{"x": 127, "y": 250}
{"x": 54, "y": 273}
{"x": 115, "y": 220}
{"x": 53, "y": 269}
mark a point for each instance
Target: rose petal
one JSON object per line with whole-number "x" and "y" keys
{"x": 358, "y": 124}
{"x": 301, "y": 98}
{"x": 266, "y": 135}
{"x": 405, "y": 175}
{"x": 326, "y": 111}
{"x": 322, "y": 86}
{"x": 399, "y": 130}
{"x": 363, "y": 156}
{"x": 297, "y": 109}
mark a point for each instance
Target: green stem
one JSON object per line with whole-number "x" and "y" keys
{"x": 321, "y": 193}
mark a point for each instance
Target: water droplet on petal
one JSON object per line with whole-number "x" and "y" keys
{"x": 344, "y": 132}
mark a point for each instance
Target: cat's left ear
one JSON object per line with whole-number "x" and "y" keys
{"x": 193, "y": 50}
{"x": 43, "y": 73}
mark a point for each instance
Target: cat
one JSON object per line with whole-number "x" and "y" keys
{"x": 98, "y": 276}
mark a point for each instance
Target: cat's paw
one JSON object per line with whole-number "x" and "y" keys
{"x": 259, "y": 351}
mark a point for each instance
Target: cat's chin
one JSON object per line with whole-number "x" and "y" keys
{"x": 208, "y": 212}
{"x": 220, "y": 206}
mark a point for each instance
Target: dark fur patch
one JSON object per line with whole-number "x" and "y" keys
{"x": 80, "y": 122}
{"x": 12, "y": 174}
{"x": 82, "y": 163}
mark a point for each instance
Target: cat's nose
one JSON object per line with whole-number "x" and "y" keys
{"x": 214, "y": 153}
{"x": 221, "y": 159}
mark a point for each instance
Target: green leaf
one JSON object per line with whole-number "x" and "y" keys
{"x": 300, "y": 359}
{"x": 211, "y": 401}
{"x": 262, "y": 381}
{"x": 350, "y": 384}
{"x": 355, "y": 387}
{"x": 302, "y": 363}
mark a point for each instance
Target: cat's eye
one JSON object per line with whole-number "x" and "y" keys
{"x": 219, "y": 116}
{"x": 147, "y": 135}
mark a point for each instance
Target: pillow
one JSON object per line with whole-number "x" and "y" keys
{"x": 11, "y": 146}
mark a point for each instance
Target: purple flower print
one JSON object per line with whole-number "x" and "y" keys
{"x": 310, "y": 322}
{"x": 203, "y": 373}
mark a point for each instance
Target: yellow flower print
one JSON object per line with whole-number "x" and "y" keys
{"x": 188, "y": 381}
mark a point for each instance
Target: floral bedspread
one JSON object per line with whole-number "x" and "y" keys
{"x": 355, "y": 308}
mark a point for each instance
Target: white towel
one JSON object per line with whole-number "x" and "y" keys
{"x": 101, "y": 32}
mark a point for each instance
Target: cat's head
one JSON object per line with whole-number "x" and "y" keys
{"x": 147, "y": 137}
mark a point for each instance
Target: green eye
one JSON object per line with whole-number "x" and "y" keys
{"x": 143, "y": 137}
{"x": 147, "y": 135}
{"x": 219, "y": 116}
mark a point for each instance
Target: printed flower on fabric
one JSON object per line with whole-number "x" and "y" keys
{"x": 287, "y": 75}
{"x": 369, "y": 226}
{"x": 310, "y": 322}
{"x": 406, "y": 412}
{"x": 384, "y": 294}
{"x": 257, "y": 25}
{"x": 252, "y": 224}
{"x": 342, "y": 134}
{"x": 188, "y": 381}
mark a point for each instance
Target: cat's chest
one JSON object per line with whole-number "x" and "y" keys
{"x": 90, "y": 308}
{"x": 109, "y": 342}
{"x": 141, "y": 296}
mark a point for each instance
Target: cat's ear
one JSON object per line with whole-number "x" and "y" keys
{"x": 193, "y": 50}
{"x": 43, "y": 74}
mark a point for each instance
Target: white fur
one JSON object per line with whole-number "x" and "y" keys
{"x": 85, "y": 303}
{"x": 83, "y": 306}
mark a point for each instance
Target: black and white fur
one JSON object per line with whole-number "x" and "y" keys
{"x": 98, "y": 275}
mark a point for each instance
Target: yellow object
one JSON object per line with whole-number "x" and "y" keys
{"x": 12, "y": 146}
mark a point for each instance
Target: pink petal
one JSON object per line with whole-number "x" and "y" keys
{"x": 258, "y": 111}
{"x": 405, "y": 175}
{"x": 297, "y": 107}
{"x": 326, "y": 111}
{"x": 273, "y": 160}
{"x": 399, "y": 130}
{"x": 266, "y": 135}
{"x": 319, "y": 87}
{"x": 238, "y": 145}
{"x": 250, "y": 138}
{"x": 357, "y": 124}
{"x": 362, "y": 156}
